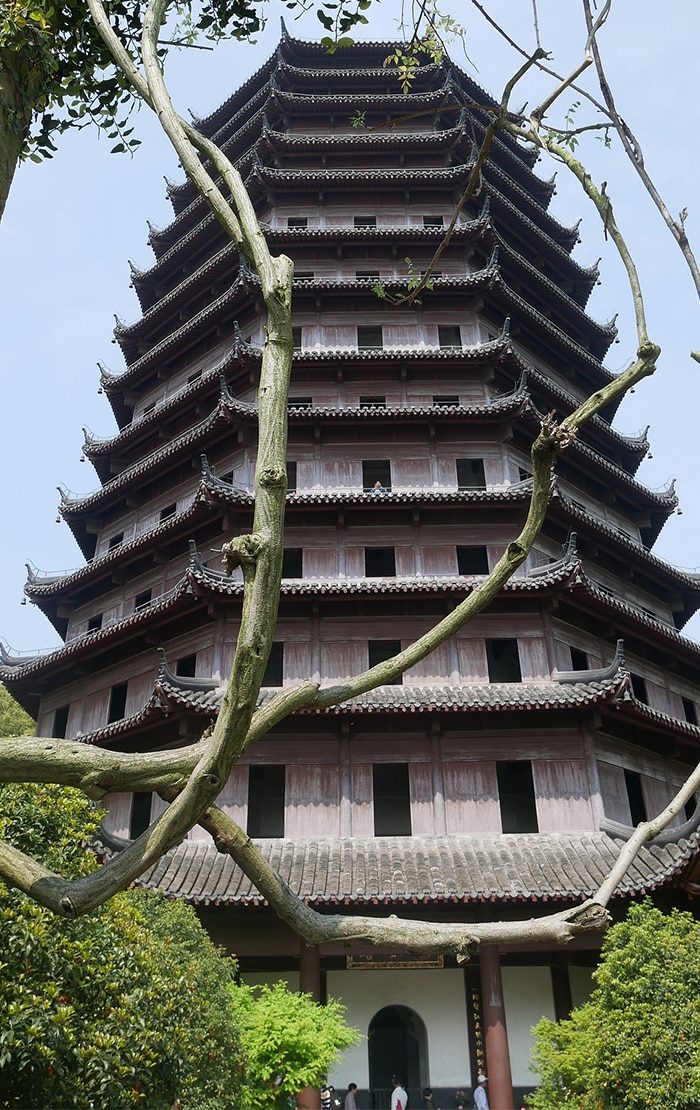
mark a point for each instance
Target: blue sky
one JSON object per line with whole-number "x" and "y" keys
{"x": 72, "y": 224}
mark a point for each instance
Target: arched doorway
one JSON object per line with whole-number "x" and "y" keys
{"x": 397, "y": 1045}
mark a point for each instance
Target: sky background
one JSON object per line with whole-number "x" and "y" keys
{"x": 72, "y": 224}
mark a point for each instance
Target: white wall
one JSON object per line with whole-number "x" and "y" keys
{"x": 436, "y": 996}
{"x": 527, "y": 993}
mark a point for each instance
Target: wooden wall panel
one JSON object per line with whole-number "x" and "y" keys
{"x": 306, "y": 474}
{"x": 614, "y": 793}
{"x": 657, "y": 793}
{"x": 493, "y": 470}
{"x": 95, "y": 709}
{"x": 562, "y": 794}
{"x": 297, "y": 661}
{"x": 362, "y": 799}
{"x": 440, "y": 560}
{"x": 355, "y": 562}
{"x": 534, "y": 664}
{"x": 435, "y": 669}
{"x": 139, "y": 691}
{"x": 472, "y": 660}
{"x": 320, "y": 562}
{"x": 663, "y": 700}
{"x": 406, "y": 561}
{"x": 233, "y": 799}
{"x": 117, "y": 818}
{"x": 447, "y": 472}
{"x": 341, "y": 474}
{"x": 526, "y": 745}
{"x": 420, "y": 777}
{"x": 342, "y": 660}
{"x": 402, "y": 335}
{"x": 338, "y": 335}
{"x": 411, "y": 473}
{"x": 312, "y": 802}
{"x": 471, "y": 798}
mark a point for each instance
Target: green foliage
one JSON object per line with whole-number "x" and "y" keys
{"x": 289, "y": 1042}
{"x": 432, "y": 32}
{"x": 635, "y": 1044}
{"x": 13, "y": 720}
{"x": 127, "y": 1007}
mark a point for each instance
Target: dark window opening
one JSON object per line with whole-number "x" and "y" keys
{"x": 392, "y": 799}
{"x": 516, "y": 797}
{"x": 689, "y": 808}
{"x": 639, "y": 688}
{"x": 367, "y": 275}
{"x": 445, "y": 400}
{"x": 194, "y": 377}
{"x": 449, "y": 335}
{"x": 369, "y": 337}
{"x": 297, "y": 221}
{"x": 95, "y": 623}
{"x": 227, "y": 478}
{"x": 291, "y": 477}
{"x": 140, "y": 813}
{"x": 115, "y": 541}
{"x": 296, "y": 338}
{"x": 579, "y": 660}
{"x": 149, "y": 409}
{"x": 380, "y": 562}
{"x": 470, "y": 474}
{"x": 372, "y": 402}
{"x": 524, "y": 474}
{"x": 379, "y": 651}
{"x": 690, "y": 711}
{"x": 266, "y": 801}
{"x": 292, "y": 562}
{"x": 304, "y": 275}
{"x": 365, "y": 221}
{"x": 472, "y": 560}
{"x": 117, "y": 703}
{"x": 274, "y": 670}
{"x": 143, "y": 599}
{"x": 433, "y": 221}
{"x": 503, "y": 660}
{"x": 186, "y": 667}
{"x": 300, "y": 402}
{"x": 376, "y": 470}
{"x": 168, "y": 511}
{"x": 60, "y": 722}
{"x": 635, "y": 797}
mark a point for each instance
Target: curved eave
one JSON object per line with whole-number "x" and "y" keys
{"x": 359, "y": 872}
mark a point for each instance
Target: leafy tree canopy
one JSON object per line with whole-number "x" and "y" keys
{"x": 636, "y": 1044}
{"x": 13, "y": 720}
{"x": 126, "y": 1007}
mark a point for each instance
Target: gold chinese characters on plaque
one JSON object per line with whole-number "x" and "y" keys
{"x": 403, "y": 960}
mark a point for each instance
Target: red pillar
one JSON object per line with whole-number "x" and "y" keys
{"x": 310, "y": 983}
{"x": 500, "y": 1084}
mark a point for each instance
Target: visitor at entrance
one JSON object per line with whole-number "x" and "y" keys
{"x": 399, "y": 1098}
{"x": 480, "y": 1100}
{"x": 327, "y": 1100}
{"x": 350, "y": 1103}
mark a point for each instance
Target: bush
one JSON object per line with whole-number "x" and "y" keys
{"x": 634, "y": 1045}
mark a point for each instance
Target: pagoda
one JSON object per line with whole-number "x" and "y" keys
{"x": 498, "y": 779}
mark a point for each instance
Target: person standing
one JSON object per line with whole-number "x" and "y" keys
{"x": 481, "y": 1102}
{"x": 399, "y": 1098}
{"x": 350, "y": 1103}
{"x": 327, "y": 1092}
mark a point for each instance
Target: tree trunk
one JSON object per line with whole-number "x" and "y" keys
{"x": 15, "y": 117}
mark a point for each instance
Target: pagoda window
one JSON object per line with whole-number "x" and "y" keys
{"x": 186, "y": 667}
{"x": 380, "y": 562}
{"x": 639, "y": 688}
{"x": 635, "y": 797}
{"x": 472, "y": 560}
{"x": 503, "y": 660}
{"x": 370, "y": 337}
{"x": 304, "y": 275}
{"x": 381, "y": 650}
{"x": 300, "y": 402}
{"x": 168, "y": 511}
{"x": 143, "y": 599}
{"x": 470, "y": 474}
{"x": 524, "y": 474}
{"x": 690, "y": 711}
{"x": 445, "y": 400}
{"x": 376, "y": 470}
{"x": 274, "y": 671}
{"x": 292, "y": 560}
{"x": 60, "y": 722}
{"x": 367, "y": 275}
{"x": 433, "y": 221}
{"x": 115, "y": 541}
{"x": 516, "y": 797}
{"x": 392, "y": 799}
{"x": 140, "y": 813}
{"x": 297, "y": 221}
{"x": 149, "y": 409}
{"x": 266, "y": 790}
{"x": 579, "y": 660}
{"x": 296, "y": 338}
{"x": 117, "y": 703}
{"x": 372, "y": 402}
{"x": 227, "y": 478}
{"x": 291, "y": 477}
{"x": 194, "y": 377}
{"x": 365, "y": 221}
{"x": 95, "y": 623}
{"x": 449, "y": 335}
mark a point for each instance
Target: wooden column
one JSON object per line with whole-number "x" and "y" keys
{"x": 500, "y": 1085}
{"x": 310, "y": 983}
